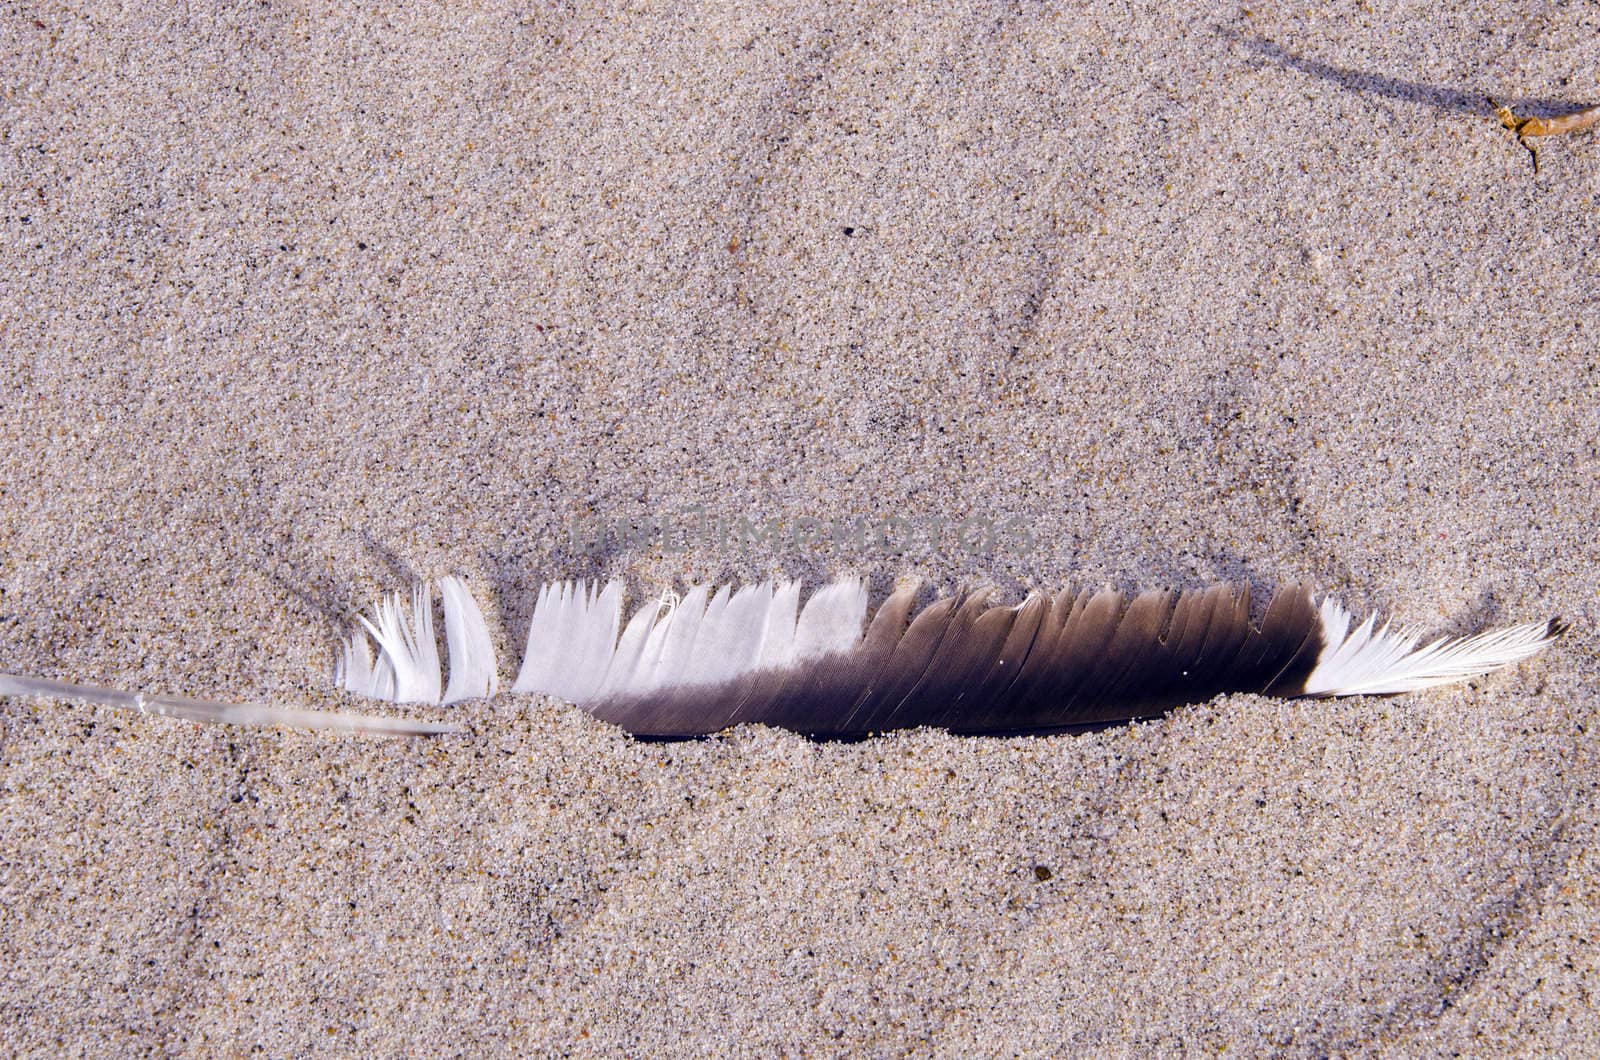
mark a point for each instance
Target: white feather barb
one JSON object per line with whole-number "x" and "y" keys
{"x": 572, "y": 639}
{"x": 406, "y": 669}
{"x": 701, "y": 638}
{"x": 407, "y": 666}
{"x": 1387, "y": 661}
{"x": 472, "y": 663}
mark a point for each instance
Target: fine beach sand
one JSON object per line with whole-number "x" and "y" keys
{"x": 297, "y": 307}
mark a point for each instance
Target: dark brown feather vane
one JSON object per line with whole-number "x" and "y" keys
{"x": 968, "y": 666}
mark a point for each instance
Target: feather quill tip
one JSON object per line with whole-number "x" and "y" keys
{"x": 212, "y": 712}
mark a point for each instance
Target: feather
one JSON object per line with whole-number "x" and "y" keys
{"x": 712, "y": 660}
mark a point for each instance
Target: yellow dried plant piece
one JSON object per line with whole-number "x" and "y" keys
{"x": 1577, "y": 121}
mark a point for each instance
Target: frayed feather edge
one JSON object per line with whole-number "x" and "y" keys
{"x": 406, "y": 668}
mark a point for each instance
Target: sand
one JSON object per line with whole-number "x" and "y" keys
{"x": 297, "y": 306}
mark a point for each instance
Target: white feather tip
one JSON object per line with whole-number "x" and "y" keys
{"x": 1386, "y": 660}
